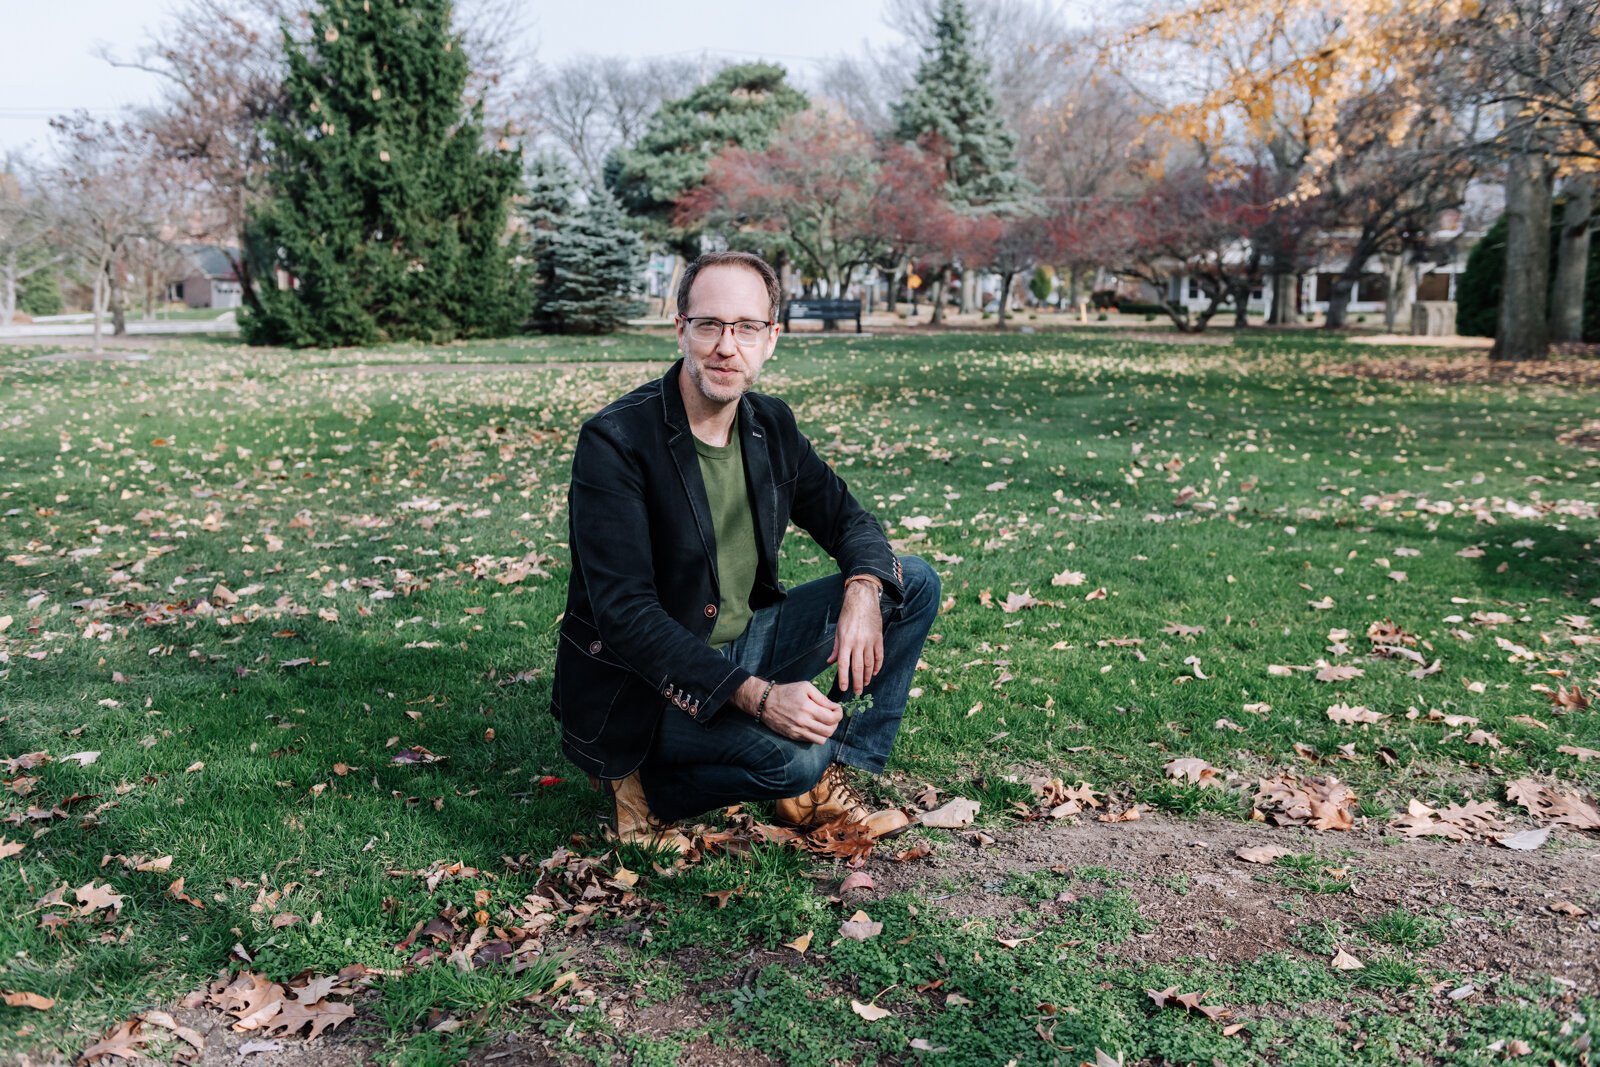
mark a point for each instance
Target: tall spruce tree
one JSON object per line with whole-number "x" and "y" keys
{"x": 547, "y": 212}
{"x": 743, "y": 105}
{"x": 951, "y": 108}
{"x": 387, "y": 211}
{"x": 586, "y": 260}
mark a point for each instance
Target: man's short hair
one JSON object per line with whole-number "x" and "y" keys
{"x": 748, "y": 260}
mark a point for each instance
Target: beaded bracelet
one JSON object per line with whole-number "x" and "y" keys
{"x": 761, "y": 708}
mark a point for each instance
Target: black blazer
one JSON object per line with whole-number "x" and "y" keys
{"x": 643, "y": 595}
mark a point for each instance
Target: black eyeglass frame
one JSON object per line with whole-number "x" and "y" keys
{"x": 725, "y": 326}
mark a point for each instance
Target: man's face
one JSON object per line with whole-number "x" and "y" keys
{"x": 724, "y": 371}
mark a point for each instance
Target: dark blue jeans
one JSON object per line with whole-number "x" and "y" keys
{"x": 694, "y": 767}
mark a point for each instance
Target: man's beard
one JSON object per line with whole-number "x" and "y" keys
{"x": 718, "y": 392}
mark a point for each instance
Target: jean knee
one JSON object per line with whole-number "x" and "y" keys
{"x": 920, "y": 583}
{"x": 799, "y": 769}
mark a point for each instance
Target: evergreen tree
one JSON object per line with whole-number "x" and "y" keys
{"x": 386, "y": 210}
{"x": 547, "y": 212}
{"x": 742, "y": 106}
{"x": 598, "y": 264}
{"x": 1479, "y": 286}
{"x": 585, "y": 260}
{"x": 40, "y": 292}
{"x": 951, "y": 108}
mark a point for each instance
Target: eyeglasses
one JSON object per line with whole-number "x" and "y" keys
{"x": 746, "y": 332}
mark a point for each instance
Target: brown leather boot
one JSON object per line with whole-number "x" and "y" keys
{"x": 635, "y": 825}
{"x": 835, "y": 798}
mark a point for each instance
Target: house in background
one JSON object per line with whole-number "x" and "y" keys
{"x": 210, "y": 281}
{"x": 1433, "y": 269}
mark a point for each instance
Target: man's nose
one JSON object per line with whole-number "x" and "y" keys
{"x": 726, "y": 345}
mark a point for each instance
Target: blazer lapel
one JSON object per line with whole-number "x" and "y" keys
{"x": 680, "y": 443}
{"x": 759, "y": 484}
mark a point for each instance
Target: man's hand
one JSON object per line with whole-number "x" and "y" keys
{"x": 796, "y": 710}
{"x": 858, "y": 639}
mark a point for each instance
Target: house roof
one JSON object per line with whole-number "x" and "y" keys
{"x": 211, "y": 261}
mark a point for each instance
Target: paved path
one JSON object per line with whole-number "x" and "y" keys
{"x": 76, "y": 326}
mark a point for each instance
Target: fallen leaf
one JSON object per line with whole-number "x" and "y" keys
{"x": 1339, "y": 672}
{"x": 93, "y": 898}
{"x": 1343, "y": 961}
{"x": 860, "y": 927}
{"x": 1345, "y": 713}
{"x": 856, "y": 880}
{"x": 1567, "y": 907}
{"x": 870, "y": 1012}
{"x": 1262, "y": 853}
{"x": 1526, "y": 841}
{"x": 1187, "y": 1001}
{"x": 28, "y": 1000}
{"x": 1015, "y": 602}
{"x": 917, "y": 851}
{"x": 952, "y": 815}
{"x": 801, "y": 943}
{"x": 1192, "y": 770}
{"x": 1069, "y": 577}
{"x": 252, "y": 1047}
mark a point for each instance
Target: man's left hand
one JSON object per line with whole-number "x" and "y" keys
{"x": 858, "y": 639}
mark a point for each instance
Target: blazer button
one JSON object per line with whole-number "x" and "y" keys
{"x": 594, "y": 648}
{"x": 711, "y": 611}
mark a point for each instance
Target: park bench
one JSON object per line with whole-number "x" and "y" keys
{"x": 826, "y": 310}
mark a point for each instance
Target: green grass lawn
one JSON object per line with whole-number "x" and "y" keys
{"x": 249, "y": 579}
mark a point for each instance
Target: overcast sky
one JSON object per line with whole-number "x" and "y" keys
{"x": 48, "y": 63}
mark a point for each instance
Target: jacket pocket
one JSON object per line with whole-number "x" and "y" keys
{"x": 589, "y": 681}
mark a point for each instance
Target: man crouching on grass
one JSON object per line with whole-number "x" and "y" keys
{"x": 684, "y": 669}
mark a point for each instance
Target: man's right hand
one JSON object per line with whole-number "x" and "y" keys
{"x": 798, "y": 710}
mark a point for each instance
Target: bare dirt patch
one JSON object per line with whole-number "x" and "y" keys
{"x": 1203, "y": 901}
{"x": 1586, "y": 437}
{"x": 1450, "y": 369}
{"x": 1208, "y": 903}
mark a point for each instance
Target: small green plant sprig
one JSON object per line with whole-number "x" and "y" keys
{"x": 857, "y": 703}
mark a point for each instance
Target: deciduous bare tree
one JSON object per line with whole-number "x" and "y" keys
{"x": 96, "y": 203}
{"x": 590, "y": 106}
{"x": 24, "y": 235}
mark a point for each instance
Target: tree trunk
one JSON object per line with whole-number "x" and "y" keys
{"x": 894, "y": 291}
{"x": 1572, "y": 261}
{"x": 1005, "y": 295}
{"x": 149, "y": 294}
{"x": 1522, "y": 333}
{"x": 1241, "y": 306}
{"x": 938, "y": 297}
{"x": 98, "y": 298}
{"x": 670, "y": 294}
{"x": 1339, "y": 302}
{"x": 119, "y": 304}
{"x": 247, "y": 283}
{"x": 1282, "y": 311}
{"x": 8, "y": 289}
{"x": 1399, "y": 293}
{"x": 969, "y": 290}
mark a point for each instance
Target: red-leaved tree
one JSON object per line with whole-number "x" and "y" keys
{"x": 814, "y": 187}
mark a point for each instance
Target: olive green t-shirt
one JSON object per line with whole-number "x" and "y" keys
{"x": 722, "y": 469}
